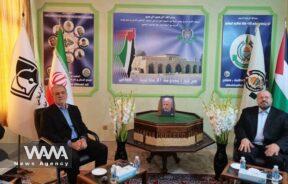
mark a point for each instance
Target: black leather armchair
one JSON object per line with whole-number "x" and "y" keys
{"x": 3, "y": 154}
{"x": 84, "y": 159}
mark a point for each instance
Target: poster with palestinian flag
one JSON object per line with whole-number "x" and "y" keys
{"x": 158, "y": 49}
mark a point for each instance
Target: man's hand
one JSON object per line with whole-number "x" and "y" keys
{"x": 83, "y": 143}
{"x": 272, "y": 149}
{"x": 245, "y": 145}
{"x": 76, "y": 145}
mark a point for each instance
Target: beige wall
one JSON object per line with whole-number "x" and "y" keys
{"x": 95, "y": 108}
{"x": 286, "y": 9}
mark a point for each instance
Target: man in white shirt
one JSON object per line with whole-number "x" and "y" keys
{"x": 262, "y": 131}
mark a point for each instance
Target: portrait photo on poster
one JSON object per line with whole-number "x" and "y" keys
{"x": 167, "y": 106}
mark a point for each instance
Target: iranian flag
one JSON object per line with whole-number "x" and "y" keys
{"x": 127, "y": 54}
{"x": 59, "y": 73}
{"x": 280, "y": 87}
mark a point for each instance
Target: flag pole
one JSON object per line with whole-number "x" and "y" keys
{"x": 19, "y": 151}
{"x": 19, "y": 136}
{"x": 19, "y": 169}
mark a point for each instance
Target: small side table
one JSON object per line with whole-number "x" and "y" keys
{"x": 89, "y": 178}
{"x": 230, "y": 176}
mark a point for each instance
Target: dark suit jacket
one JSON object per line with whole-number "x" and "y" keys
{"x": 275, "y": 129}
{"x": 54, "y": 126}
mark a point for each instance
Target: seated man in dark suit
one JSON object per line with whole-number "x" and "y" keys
{"x": 262, "y": 131}
{"x": 62, "y": 123}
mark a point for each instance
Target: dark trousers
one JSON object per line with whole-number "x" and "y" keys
{"x": 259, "y": 152}
{"x": 95, "y": 150}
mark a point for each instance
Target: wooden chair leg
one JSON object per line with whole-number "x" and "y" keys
{"x": 58, "y": 172}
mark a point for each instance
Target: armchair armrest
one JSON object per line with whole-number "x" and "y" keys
{"x": 95, "y": 136}
{"x": 46, "y": 141}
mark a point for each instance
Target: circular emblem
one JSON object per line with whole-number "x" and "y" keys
{"x": 70, "y": 57}
{"x": 83, "y": 42}
{"x": 56, "y": 28}
{"x": 226, "y": 74}
{"x": 59, "y": 78}
{"x": 86, "y": 72}
{"x": 79, "y": 31}
{"x": 79, "y": 54}
{"x": 187, "y": 34}
{"x": 52, "y": 41}
{"x": 68, "y": 26}
{"x": 240, "y": 50}
{"x": 255, "y": 81}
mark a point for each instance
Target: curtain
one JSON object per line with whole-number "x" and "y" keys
{"x": 10, "y": 24}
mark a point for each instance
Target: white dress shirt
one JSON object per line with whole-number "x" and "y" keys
{"x": 262, "y": 117}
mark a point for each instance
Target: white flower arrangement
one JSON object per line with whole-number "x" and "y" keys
{"x": 222, "y": 117}
{"x": 121, "y": 111}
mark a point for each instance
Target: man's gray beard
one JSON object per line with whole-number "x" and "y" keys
{"x": 266, "y": 107}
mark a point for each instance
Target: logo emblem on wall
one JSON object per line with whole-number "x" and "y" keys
{"x": 255, "y": 82}
{"x": 186, "y": 36}
{"x": 240, "y": 51}
{"x": 25, "y": 81}
{"x": 59, "y": 78}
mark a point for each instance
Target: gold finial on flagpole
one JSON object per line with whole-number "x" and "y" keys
{"x": 59, "y": 21}
{"x": 23, "y": 18}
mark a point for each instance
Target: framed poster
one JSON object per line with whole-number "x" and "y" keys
{"x": 235, "y": 37}
{"x": 78, "y": 30}
{"x": 237, "y": 44}
{"x": 158, "y": 49}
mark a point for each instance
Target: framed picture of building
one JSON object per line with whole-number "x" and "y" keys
{"x": 144, "y": 61}
{"x": 167, "y": 106}
{"x": 145, "y": 56}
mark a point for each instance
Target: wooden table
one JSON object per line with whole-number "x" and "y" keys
{"x": 165, "y": 151}
{"x": 229, "y": 175}
{"x": 89, "y": 178}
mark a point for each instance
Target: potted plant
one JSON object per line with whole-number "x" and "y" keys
{"x": 222, "y": 117}
{"x": 121, "y": 111}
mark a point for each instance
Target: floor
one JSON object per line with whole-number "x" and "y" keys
{"x": 199, "y": 162}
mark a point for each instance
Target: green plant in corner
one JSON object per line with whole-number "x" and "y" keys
{"x": 121, "y": 111}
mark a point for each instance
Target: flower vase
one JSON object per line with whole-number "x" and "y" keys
{"x": 220, "y": 160}
{"x": 121, "y": 151}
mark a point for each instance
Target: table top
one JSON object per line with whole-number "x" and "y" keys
{"x": 193, "y": 148}
{"x": 179, "y": 118}
{"x": 89, "y": 178}
{"x": 228, "y": 173}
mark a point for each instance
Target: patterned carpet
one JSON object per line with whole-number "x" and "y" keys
{"x": 177, "y": 179}
{"x": 154, "y": 178}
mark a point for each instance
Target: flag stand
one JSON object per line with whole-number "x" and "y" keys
{"x": 20, "y": 170}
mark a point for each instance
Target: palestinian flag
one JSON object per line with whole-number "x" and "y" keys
{"x": 280, "y": 87}
{"x": 127, "y": 53}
